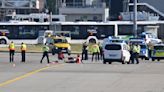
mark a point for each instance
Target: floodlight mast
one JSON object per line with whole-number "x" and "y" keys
{"x": 135, "y": 18}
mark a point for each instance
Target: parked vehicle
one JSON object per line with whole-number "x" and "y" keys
{"x": 149, "y": 37}
{"x": 144, "y": 53}
{"x": 59, "y": 44}
{"x": 158, "y": 52}
{"x": 118, "y": 52}
{"x": 137, "y": 41}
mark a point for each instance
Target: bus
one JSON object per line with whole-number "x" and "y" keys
{"x": 82, "y": 30}
{"x": 24, "y": 31}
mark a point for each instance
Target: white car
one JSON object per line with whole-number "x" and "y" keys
{"x": 116, "y": 52}
{"x": 149, "y": 37}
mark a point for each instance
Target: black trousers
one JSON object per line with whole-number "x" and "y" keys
{"x": 23, "y": 53}
{"x": 101, "y": 56}
{"x": 11, "y": 53}
{"x": 96, "y": 55}
{"x": 135, "y": 57}
{"x": 45, "y": 54}
{"x": 85, "y": 55}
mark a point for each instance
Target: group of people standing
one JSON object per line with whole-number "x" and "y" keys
{"x": 12, "y": 51}
{"x": 95, "y": 49}
{"x": 134, "y": 51}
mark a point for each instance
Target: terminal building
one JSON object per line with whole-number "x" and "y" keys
{"x": 84, "y": 10}
{"x": 80, "y": 17}
{"x": 11, "y": 7}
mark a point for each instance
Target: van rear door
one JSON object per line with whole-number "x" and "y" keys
{"x": 113, "y": 51}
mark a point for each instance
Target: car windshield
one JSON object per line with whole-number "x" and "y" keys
{"x": 60, "y": 41}
{"x": 113, "y": 47}
{"x": 143, "y": 46}
{"x": 142, "y": 36}
{"x": 159, "y": 47}
{"x": 136, "y": 42}
{"x": 119, "y": 41}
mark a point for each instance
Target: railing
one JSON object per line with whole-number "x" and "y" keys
{"x": 81, "y": 5}
{"x": 149, "y": 6}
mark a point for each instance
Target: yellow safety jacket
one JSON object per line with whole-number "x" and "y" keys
{"x": 11, "y": 46}
{"x": 136, "y": 49}
{"x": 45, "y": 48}
{"x": 95, "y": 49}
{"x": 23, "y": 47}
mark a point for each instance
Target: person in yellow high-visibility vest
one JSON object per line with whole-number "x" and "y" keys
{"x": 23, "y": 51}
{"x": 136, "y": 51}
{"x": 45, "y": 53}
{"x": 11, "y": 51}
{"x": 95, "y": 50}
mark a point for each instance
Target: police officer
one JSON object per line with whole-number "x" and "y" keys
{"x": 11, "y": 51}
{"x": 131, "y": 52}
{"x": 151, "y": 47}
{"x": 95, "y": 50}
{"x": 136, "y": 51}
{"x": 85, "y": 51}
{"x": 100, "y": 54}
{"x": 23, "y": 51}
{"x": 45, "y": 53}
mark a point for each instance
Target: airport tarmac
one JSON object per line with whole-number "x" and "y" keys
{"x": 32, "y": 76}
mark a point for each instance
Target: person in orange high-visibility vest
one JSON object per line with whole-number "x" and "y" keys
{"x": 11, "y": 51}
{"x": 23, "y": 51}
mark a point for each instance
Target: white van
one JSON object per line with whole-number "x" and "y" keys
{"x": 118, "y": 52}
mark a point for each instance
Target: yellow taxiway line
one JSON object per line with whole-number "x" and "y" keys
{"x": 28, "y": 74}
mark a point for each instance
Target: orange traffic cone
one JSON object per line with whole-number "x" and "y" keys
{"x": 78, "y": 59}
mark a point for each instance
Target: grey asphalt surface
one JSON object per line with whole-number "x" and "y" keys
{"x": 94, "y": 76}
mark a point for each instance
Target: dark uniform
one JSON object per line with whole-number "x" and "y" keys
{"x": 101, "y": 55}
{"x": 45, "y": 53}
{"x": 85, "y": 52}
{"x": 23, "y": 52}
{"x": 11, "y": 51}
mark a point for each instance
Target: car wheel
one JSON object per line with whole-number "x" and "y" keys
{"x": 110, "y": 62}
{"x": 158, "y": 59}
{"x": 146, "y": 58}
{"x": 3, "y": 41}
{"x": 104, "y": 61}
{"x": 123, "y": 62}
{"x": 153, "y": 59}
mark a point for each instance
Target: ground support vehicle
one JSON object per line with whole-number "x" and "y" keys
{"x": 59, "y": 44}
{"x": 158, "y": 52}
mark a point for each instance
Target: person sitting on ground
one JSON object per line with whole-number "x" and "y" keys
{"x": 70, "y": 59}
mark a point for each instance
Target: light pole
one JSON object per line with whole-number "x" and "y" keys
{"x": 135, "y": 18}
